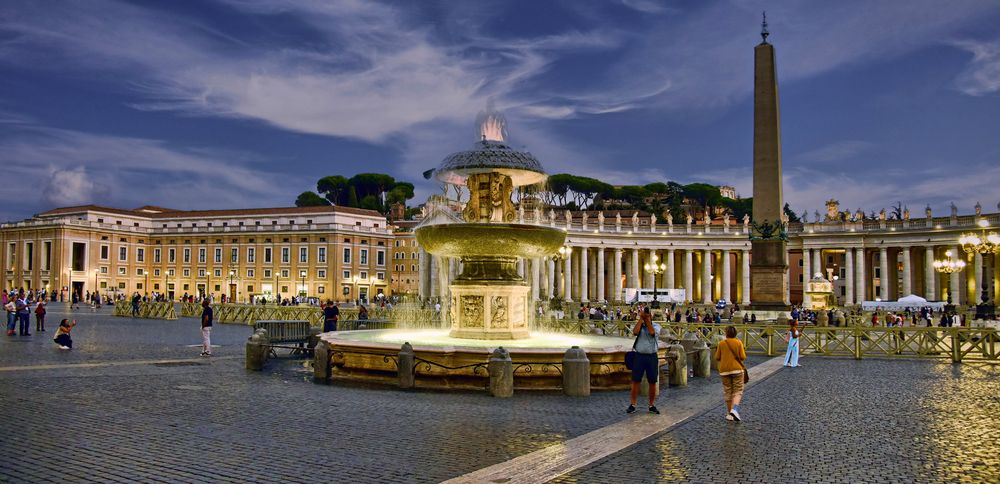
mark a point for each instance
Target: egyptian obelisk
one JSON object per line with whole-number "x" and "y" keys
{"x": 769, "y": 261}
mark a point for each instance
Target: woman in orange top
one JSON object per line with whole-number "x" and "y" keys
{"x": 730, "y": 354}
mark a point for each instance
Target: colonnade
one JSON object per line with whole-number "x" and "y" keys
{"x": 890, "y": 271}
{"x": 601, "y": 273}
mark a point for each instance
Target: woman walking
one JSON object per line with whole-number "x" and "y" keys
{"x": 730, "y": 354}
{"x": 792, "y": 353}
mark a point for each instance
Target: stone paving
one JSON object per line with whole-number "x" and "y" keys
{"x": 106, "y": 411}
{"x": 834, "y": 420}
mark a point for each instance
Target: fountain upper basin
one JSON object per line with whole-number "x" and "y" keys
{"x": 490, "y": 239}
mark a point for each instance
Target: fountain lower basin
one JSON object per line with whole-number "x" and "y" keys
{"x": 445, "y": 362}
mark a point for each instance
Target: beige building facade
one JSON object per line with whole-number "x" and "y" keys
{"x": 325, "y": 252}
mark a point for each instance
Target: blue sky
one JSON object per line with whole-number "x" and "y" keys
{"x": 239, "y": 103}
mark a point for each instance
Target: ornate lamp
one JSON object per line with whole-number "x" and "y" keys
{"x": 656, "y": 269}
{"x": 982, "y": 243}
{"x": 949, "y": 265}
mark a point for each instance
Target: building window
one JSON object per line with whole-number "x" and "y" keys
{"x": 320, "y": 289}
{"x": 251, "y": 255}
{"x": 234, "y": 255}
{"x": 122, "y": 271}
{"x": 104, "y": 252}
{"x": 267, "y": 255}
{"x": 249, "y": 273}
{"x": 347, "y": 274}
{"x": 380, "y": 276}
{"x": 187, "y": 255}
{"x": 347, "y": 255}
{"x": 104, "y": 269}
{"x": 364, "y": 274}
{"x": 201, "y": 272}
{"x": 140, "y": 255}
{"x": 303, "y": 254}
{"x": 321, "y": 274}
{"x": 156, "y": 272}
{"x": 201, "y": 255}
{"x": 218, "y": 273}
{"x": 156, "y": 256}
{"x": 267, "y": 273}
{"x": 171, "y": 255}
{"x": 285, "y": 255}
{"x": 170, "y": 273}
{"x": 187, "y": 272}
{"x": 380, "y": 258}
{"x": 139, "y": 272}
{"x": 364, "y": 256}
{"x": 218, "y": 256}
{"x": 321, "y": 255}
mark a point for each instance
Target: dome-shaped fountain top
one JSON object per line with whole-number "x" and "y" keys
{"x": 491, "y": 154}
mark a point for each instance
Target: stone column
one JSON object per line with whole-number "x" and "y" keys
{"x": 849, "y": 276}
{"x": 550, "y": 275}
{"x": 745, "y": 275}
{"x": 978, "y": 271}
{"x": 726, "y": 292}
{"x": 584, "y": 274}
{"x": 425, "y": 274}
{"x": 706, "y": 276}
{"x": 616, "y": 276}
{"x": 955, "y": 287}
{"x": 600, "y": 274}
{"x": 817, "y": 262}
{"x": 568, "y": 277}
{"x": 883, "y": 280}
{"x": 435, "y": 291}
{"x": 859, "y": 274}
{"x": 907, "y": 274}
{"x": 688, "y": 275}
{"x": 806, "y": 271}
{"x": 635, "y": 269}
{"x": 669, "y": 279}
{"x": 536, "y": 279}
{"x": 930, "y": 275}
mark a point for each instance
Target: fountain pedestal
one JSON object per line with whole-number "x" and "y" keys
{"x": 489, "y": 311}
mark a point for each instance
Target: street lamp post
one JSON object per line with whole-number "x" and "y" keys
{"x": 232, "y": 285}
{"x": 949, "y": 265}
{"x": 302, "y": 288}
{"x": 656, "y": 269}
{"x": 982, "y": 243}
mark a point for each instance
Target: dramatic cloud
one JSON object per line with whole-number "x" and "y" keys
{"x": 982, "y": 76}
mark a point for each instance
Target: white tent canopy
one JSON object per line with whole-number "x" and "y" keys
{"x": 912, "y": 302}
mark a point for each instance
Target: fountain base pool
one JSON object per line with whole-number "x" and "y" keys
{"x": 445, "y": 362}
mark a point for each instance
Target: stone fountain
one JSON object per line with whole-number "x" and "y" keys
{"x": 490, "y": 303}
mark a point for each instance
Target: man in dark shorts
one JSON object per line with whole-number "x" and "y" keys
{"x": 646, "y": 362}
{"x": 331, "y": 313}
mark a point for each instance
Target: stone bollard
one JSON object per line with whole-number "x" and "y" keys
{"x": 321, "y": 362}
{"x": 678, "y": 370}
{"x": 688, "y": 341}
{"x": 783, "y": 318}
{"x": 703, "y": 360}
{"x": 667, "y": 336}
{"x": 501, "y": 371}
{"x": 716, "y": 339}
{"x": 822, "y": 319}
{"x": 576, "y": 373}
{"x": 257, "y": 350}
{"x": 406, "y": 366}
{"x": 737, "y": 318}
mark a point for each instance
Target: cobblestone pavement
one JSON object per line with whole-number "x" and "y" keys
{"x": 209, "y": 419}
{"x": 118, "y": 416}
{"x": 834, "y": 420}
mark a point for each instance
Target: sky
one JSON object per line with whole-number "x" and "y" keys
{"x": 246, "y": 103}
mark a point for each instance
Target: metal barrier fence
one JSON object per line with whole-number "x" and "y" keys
{"x": 958, "y": 344}
{"x": 149, "y": 310}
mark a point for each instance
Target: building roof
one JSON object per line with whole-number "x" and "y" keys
{"x": 153, "y": 212}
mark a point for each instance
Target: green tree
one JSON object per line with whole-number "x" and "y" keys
{"x": 310, "y": 199}
{"x": 352, "y": 196}
{"x": 704, "y": 194}
{"x": 333, "y": 188}
{"x": 376, "y": 184}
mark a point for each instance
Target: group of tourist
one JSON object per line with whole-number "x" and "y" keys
{"x": 19, "y": 305}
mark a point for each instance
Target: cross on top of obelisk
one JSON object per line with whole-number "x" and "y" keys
{"x": 763, "y": 28}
